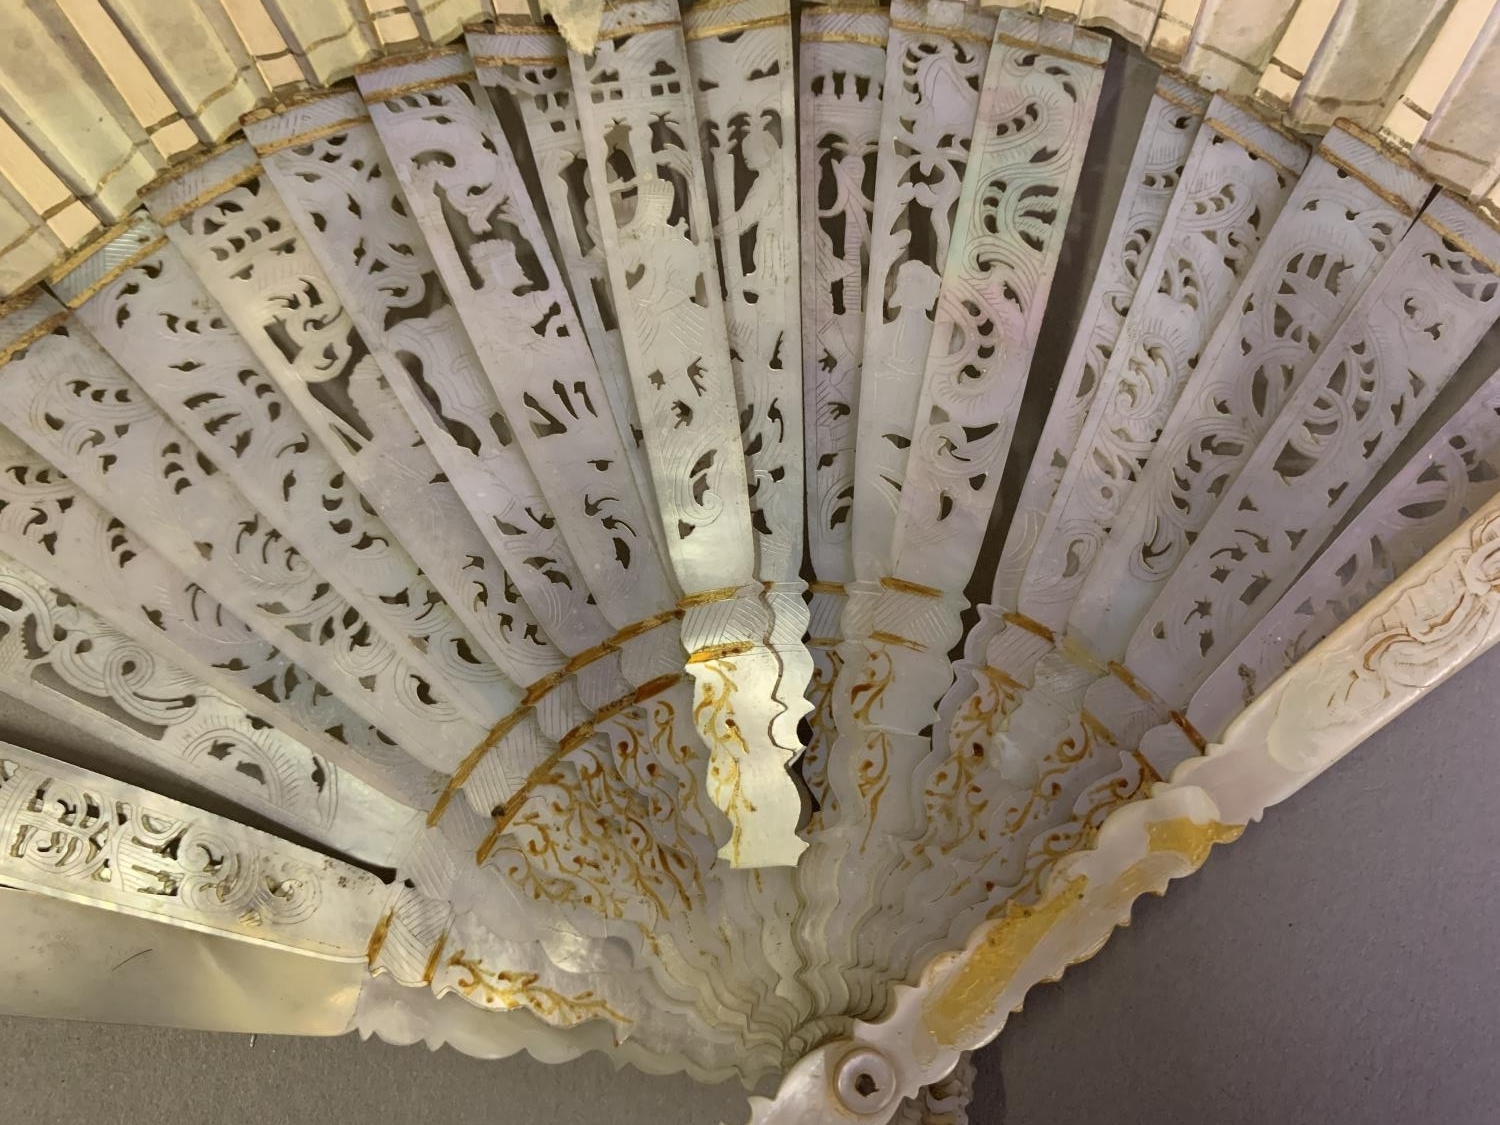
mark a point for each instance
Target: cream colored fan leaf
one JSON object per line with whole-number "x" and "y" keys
{"x": 739, "y": 537}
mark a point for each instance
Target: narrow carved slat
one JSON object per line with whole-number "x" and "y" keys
{"x": 59, "y": 657}
{"x": 48, "y": 524}
{"x": 127, "y": 455}
{"x": 1390, "y": 356}
{"x": 1453, "y": 474}
{"x": 641, "y": 131}
{"x": 1032, "y": 128}
{"x": 842, "y": 65}
{"x": 97, "y": 841}
{"x": 1236, "y": 182}
{"x": 1161, "y": 153}
{"x": 740, "y": 56}
{"x": 983, "y": 692}
{"x": 237, "y": 235}
{"x": 935, "y": 64}
{"x": 1344, "y": 218}
{"x": 529, "y": 67}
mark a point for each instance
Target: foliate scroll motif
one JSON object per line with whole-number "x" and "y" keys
{"x": 839, "y": 105}
{"x": 240, "y": 238}
{"x": 1235, "y": 185}
{"x": 935, "y": 64}
{"x": 422, "y": 942}
{"x": 75, "y": 834}
{"x": 1450, "y": 477}
{"x": 165, "y": 329}
{"x": 1161, "y": 153}
{"x": 1343, "y": 220}
{"x": 1030, "y": 134}
{"x": 641, "y": 129}
{"x": 529, "y": 65}
{"x": 58, "y": 656}
{"x": 992, "y": 647}
{"x": 51, "y": 527}
{"x": 88, "y": 418}
{"x": 1393, "y": 352}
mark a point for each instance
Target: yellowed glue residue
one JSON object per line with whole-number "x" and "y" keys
{"x": 1190, "y": 839}
{"x": 958, "y": 1010}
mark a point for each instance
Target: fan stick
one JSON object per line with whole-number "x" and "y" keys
{"x": 1454, "y": 474}
{"x": 1348, "y": 211}
{"x": 641, "y": 134}
{"x": 1111, "y": 706}
{"x": 1010, "y": 218}
{"x": 529, "y": 66}
{"x": 1031, "y": 136}
{"x": 1439, "y": 293}
{"x": 740, "y": 56}
{"x": 447, "y": 149}
{"x": 219, "y": 214}
{"x": 401, "y": 331}
{"x": 81, "y": 836}
{"x": 1363, "y": 378}
{"x": 1166, "y": 139}
{"x": 1368, "y": 370}
{"x": 1235, "y": 185}
{"x": 60, "y": 658}
{"x": 842, "y": 70}
{"x": 50, "y": 527}
{"x": 935, "y": 63}
{"x": 210, "y": 532}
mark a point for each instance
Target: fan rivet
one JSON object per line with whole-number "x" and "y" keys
{"x": 865, "y": 1081}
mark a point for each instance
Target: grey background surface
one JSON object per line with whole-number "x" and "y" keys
{"x": 1335, "y": 965}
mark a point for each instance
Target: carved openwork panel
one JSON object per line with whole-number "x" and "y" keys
{"x": 843, "y": 70}
{"x": 740, "y": 54}
{"x": 998, "y": 659}
{"x": 1236, "y": 182}
{"x": 52, "y": 528}
{"x": 1161, "y": 153}
{"x": 529, "y": 66}
{"x": 1343, "y": 220}
{"x": 1030, "y": 133}
{"x": 87, "y": 417}
{"x": 58, "y": 656}
{"x": 640, "y": 125}
{"x": 1454, "y": 473}
{"x": 165, "y": 329}
{"x": 1394, "y": 351}
{"x": 460, "y": 175}
{"x": 98, "y": 841}
{"x": 241, "y": 240}
{"x": 935, "y": 65}
{"x": 336, "y": 183}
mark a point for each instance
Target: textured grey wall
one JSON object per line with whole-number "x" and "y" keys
{"x": 1334, "y": 966}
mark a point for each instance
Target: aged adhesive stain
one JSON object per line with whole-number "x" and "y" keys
{"x": 956, "y": 1012}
